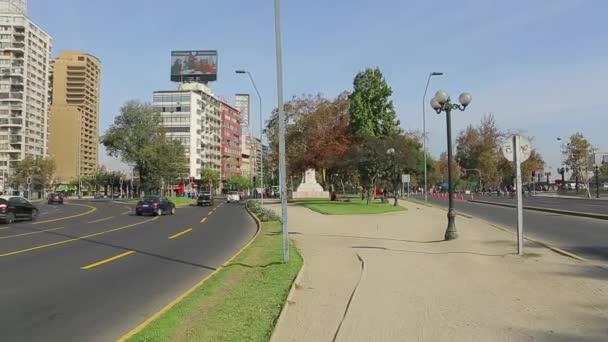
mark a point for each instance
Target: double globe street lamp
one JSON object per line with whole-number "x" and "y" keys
{"x": 442, "y": 103}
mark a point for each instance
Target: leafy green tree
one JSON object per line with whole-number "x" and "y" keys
{"x": 167, "y": 161}
{"x": 478, "y": 148}
{"x": 39, "y": 170}
{"x": 577, "y": 154}
{"x": 210, "y": 177}
{"x": 405, "y": 156}
{"x": 138, "y": 139}
{"x": 371, "y": 111}
{"x": 238, "y": 182}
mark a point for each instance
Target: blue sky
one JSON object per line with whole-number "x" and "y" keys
{"x": 538, "y": 66}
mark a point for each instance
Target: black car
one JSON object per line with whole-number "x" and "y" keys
{"x": 55, "y": 198}
{"x": 16, "y": 208}
{"x": 205, "y": 198}
{"x": 155, "y": 205}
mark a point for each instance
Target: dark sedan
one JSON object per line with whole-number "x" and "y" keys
{"x": 205, "y": 198}
{"x": 55, "y": 198}
{"x": 15, "y": 208}
{"x": 155, "y": 205}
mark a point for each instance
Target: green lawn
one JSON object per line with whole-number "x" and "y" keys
{"x": 181, "y": 200}
{"x": 241, "y": 302}
{"x": 356, "y": 206}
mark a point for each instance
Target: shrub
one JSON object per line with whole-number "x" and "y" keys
{"x": 263, "y": 214}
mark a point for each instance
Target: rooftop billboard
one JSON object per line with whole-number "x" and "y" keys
{"x": 194, "y": 66}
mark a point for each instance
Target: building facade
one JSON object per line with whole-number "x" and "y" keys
{"x": 191, "y": 115}
{"x": 74, "y": 114}
{"x": 25, "y": 52}
{"x": 231, "y": 141}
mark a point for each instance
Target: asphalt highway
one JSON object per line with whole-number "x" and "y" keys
{"x": 582, "y": 205}
{"x": 585, "y": 237}
{"x": 91, "y": 271}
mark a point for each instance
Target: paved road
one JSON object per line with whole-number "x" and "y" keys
{"x": 582, "y": 205}
{"x": 54, "y": 287}
{"x": 583, "y": 236}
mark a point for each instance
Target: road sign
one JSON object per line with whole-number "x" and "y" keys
{"x": 525, "y": 148}
{"x": 405, "y": 178}
{"x": 29, "y": 180}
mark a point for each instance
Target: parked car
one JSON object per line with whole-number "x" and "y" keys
{"x": 233, "y": 196}
{"x": 204, "y": 198}
{"x": 55, "y": 198}
{"x": 16, "y": 208}
{"x": 155, "y": 205}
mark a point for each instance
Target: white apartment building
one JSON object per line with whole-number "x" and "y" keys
{"x": 25, "y": 55}
{"x": 191, "y": 115}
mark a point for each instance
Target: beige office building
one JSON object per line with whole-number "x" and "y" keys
{"x": 74, "y": 116}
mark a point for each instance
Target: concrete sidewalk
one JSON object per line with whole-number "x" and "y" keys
{"x": 390, "y": 278}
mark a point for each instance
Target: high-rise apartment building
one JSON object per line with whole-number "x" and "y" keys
{"x": 231, "y": 141}
{"x": 191, "y": 115}
{"x": 74, "y": 115}
{"x": 25, "y": 51}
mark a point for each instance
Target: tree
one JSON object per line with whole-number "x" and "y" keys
{"x": 441, "y": 169}
{"x": 405, "y": 157}
{"x": 478, "y": 148}
{"x": 39, "y": 170}
{"x": 238, "y": 182}
{"x": 210, "y": 177}
{"x": 577, "y": 154}
{"x": 371, "y": 110}
{"x": 138, "y": 139}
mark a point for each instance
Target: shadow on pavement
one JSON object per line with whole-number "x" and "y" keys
{"x": 430, "y": 253}
{"x": 70, "y": 236}
{"x": 254, "y": 266}
{"x": 591, "y": 271}
{"x": 360, "y": 237}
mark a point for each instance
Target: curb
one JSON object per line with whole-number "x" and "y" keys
{"x": 548, "y": 210}
{"x": 554, "y": 249}
{"x": 289, "y": 298}
{"x": 201, "y": 282}
{"x": 439, "y": 207}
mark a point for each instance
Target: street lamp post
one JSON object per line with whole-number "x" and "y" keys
{"x": 261, "y": 131}
{"x": 596, "y": 170}
{"x": 282, "y": 158}
{"x": 441, "y": 103}
{"x": 428, "y": 81}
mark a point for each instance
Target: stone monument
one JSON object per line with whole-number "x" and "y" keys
{"x": 309, "y": 187}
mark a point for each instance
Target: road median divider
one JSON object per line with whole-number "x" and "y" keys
{"x": 548, "y": 210}
{"x": 240, "y": 300}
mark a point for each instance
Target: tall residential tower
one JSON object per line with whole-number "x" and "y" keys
{"x": 25, "y": 51}
{"x": 74, "y": 116}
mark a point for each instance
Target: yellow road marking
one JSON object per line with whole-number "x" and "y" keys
{"x": 3, "y": 228}
{"x": 31, "y": 233}
{"x": 105, "y": 261}
{"x": 92, "y": 209}
{"x": 204, "y": 220}
{"x": 127, "y": 212}
{"x": 76, "y": 239}
{"x": 104, "y": 219}
{"x": 180, "y": 234}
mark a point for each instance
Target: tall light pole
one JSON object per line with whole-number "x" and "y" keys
{"x": 282, "y": 159}
{"x": 428, "y": 81}
{"x": 441, "y": 103}
{"x": 261, "y": 131}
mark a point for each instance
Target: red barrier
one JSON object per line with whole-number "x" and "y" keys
{"x": 462, "y": 197}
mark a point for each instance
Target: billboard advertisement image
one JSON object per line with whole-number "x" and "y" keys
{"x": 194, "y": 66}
{"x": 242, "y": 105}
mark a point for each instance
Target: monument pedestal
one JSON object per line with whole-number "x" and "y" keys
{"x": 310, "y": 188}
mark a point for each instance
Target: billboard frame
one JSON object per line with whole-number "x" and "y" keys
{"x": 202, "y": 78}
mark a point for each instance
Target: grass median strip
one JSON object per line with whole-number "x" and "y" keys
{"x": 180, "y": 234}
{"x": 105, "y": 261}
{"x": 354, "y": 206}
{"x": 240, "y": 302}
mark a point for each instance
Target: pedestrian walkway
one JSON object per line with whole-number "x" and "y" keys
{"x": 390, "y": 277}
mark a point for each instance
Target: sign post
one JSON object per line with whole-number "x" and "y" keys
{"x": 517, "y": 149}
{"x": 406, "y": 179}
